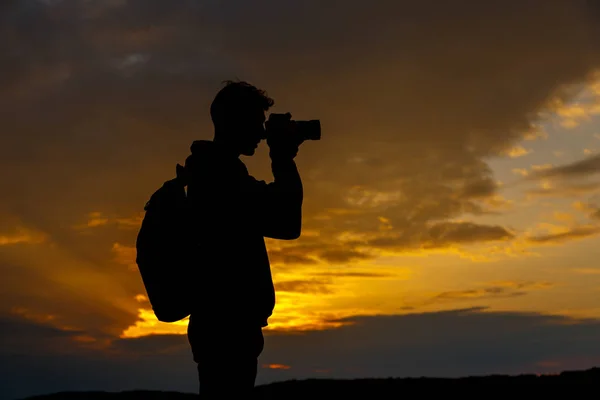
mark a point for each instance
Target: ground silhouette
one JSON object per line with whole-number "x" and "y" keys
{"x": 325, "y": 388}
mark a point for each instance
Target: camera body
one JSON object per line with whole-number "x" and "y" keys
{"x": 306, "y": 130}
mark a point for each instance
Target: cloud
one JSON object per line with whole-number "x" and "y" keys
{"x": 475, "y": 341}
{"x": 541, "y": 167}
{"x": 356, "y": 246}
{"x": 75, "y": 291}
{"x": 581, "y": 168}
{"x": 58, "y": 360}
{"x": 150, "y": 345}
{"x": 517, "y": 151}
{"x": 104, "y": 98}
{"x": 325, "y": 282}
{"x": 563, "y": 190}
{"x": 98, "y": 219}
{"x": 342, "y": 255}
{"x": 574, "y": 179}
{"x": 304, "y": 286}
{"x": 25, "y": 335}
{"x": 356, "y": 274}
{"x": 478, "y": 293}
{"x": 536, "y": 132}
{"x": 125, "y": 255}
{"x": 22, "y": 236}
{"x": 114, "y": 78}
{"x": 494, "y": 290}
{"x": 573, "y": 115}
{"x": 520, "y": 171}
{"x": 590, "y": 209}
{"x": 578, "y": 232}
{"x": 587, "y": 271}
{"x": 466, "y": 232}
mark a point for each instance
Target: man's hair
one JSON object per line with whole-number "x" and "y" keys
{"x": 238, "y": 97}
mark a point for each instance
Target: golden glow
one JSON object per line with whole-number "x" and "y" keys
{"x": 299, "y": 311}
{"x": 276, "y": 366}
{"x": 125, "y": 255}
{"x": 517, "y": 151}
{"x": 148, "y": 324}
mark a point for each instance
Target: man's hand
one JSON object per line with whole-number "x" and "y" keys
{"x": 283, "y": 140}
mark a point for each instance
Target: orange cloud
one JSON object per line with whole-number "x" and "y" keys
{"x": 517, "y": 151}
{"x": 97, "y": 219}
{"x": 573, "y": 115}
{"x": 125, "y": 255}
{"x": 312, "y": 286}
{"x": 22, "y": 236}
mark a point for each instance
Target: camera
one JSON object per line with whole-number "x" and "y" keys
{"x": 306, "y": 130}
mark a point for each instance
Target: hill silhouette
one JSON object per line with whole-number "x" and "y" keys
{"x": 374, "y": 388}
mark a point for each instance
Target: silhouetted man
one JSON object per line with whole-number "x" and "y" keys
{"x": 232, "y": 212}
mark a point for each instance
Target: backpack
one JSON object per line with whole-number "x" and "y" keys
{"x": 163, "y": 246}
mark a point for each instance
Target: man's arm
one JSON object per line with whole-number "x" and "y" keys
{"x": 278, "y": 205}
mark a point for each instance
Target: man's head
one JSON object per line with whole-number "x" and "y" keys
{"x": 238, "y": 114}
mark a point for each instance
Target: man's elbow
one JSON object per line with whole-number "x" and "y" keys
{"x": 293, "y": 235}
{"x": 294, "y": 230}
{"x": 285, "y": 233}
{"x": 289, "y": 234}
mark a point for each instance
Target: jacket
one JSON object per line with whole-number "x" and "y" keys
{"x": 232, "y": 213}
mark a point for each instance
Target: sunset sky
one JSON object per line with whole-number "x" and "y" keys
{"x": 452, "y": 207}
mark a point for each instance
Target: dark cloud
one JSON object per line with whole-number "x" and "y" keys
{"x": 492, "y": 291}
{"x": 499, "y": 291}
{"x": 343, "y": 255}
{"x": 581, "y": 168}
{"x": 293, "y": 257}
{"x": 483, "y": 293}
{"x": 474, "y": 342}
{"x": 565, "y": 190}
{"x": 150, "y": 345}
{"x": 333, "y": 247}
{"x": 575, "y": 179}
{"x": 580, "y": 232}
{"x": 465, "y": 232}
{"x": 21, "y": 336}
{"x": 421, "y": 93}
{"x": 39, "y": 358}
{"x": 317, "y": 250}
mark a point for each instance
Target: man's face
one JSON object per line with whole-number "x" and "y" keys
{"x": 250, "y": 131}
